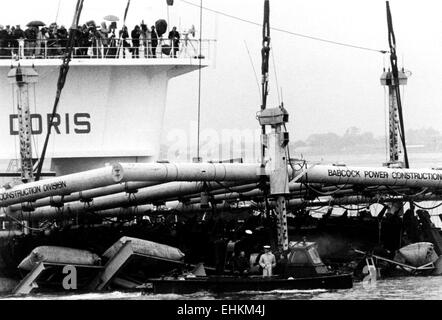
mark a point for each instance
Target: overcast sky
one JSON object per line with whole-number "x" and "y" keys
{"x": 326, "y": 88}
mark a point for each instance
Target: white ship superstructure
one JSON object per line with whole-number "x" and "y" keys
{"x": 111, "y": 109}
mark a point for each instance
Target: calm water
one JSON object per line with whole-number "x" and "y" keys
{"x": 411, "y": 288}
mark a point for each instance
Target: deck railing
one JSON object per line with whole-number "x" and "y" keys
{"x": 108, "y": 49}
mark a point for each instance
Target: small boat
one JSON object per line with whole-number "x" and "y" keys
{"x": 303, "y": 270}
{"x": 223, "y": 284}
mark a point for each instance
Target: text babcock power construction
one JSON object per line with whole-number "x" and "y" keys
{"x": 385, "y": 175}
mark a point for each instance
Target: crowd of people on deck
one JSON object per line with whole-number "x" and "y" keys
{"x": 89, "y": 40}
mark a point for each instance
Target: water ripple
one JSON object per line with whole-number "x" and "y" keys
{"x": 409, "y": 288}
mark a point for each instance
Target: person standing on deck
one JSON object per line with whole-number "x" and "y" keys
{"x": 9, "y": 40}
{"x": 154, "y": 42}
{"x": 31, "y": 41}
{"x": 19, "y": 35}
{"x": 267, "y": 262}
{"x": 113, "y": 45}
{"x": 3, "y": 42}
{"x": 103, "y": 42}
{"x": 13, "y": 43}
{"x": 92, "y": 41}
{"x": 50, "y": 43}
{"x": 174, "y": 37}
{"x": 145, "y": 39}
{"x": 135, "y": 34}
{"x": 62, "y": 37}
{"x": 41, "y": 43}
{"x": 124, "y": 34}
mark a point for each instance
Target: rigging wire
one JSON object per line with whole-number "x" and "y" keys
{"x": 276, "y": 76}
{"x": 254, "y": 70}
{"x": 58, "y": 11}
{"x": 289, "y": 32}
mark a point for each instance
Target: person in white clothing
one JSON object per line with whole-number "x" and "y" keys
{"x": 267, "y": 262}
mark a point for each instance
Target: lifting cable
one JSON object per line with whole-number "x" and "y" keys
{"x": 265, "y": 55}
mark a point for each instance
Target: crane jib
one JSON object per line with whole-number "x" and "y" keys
{"x": 64, "y": 69}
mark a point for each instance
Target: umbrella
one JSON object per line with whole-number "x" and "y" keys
{"x": 161, "y": 26}
{"x": 36, "y": 23}
{"x": 111, "y": 18}
{"x": 91, "y": 23}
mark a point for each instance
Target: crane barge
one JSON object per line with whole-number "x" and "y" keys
{"x": 139, "y": 189}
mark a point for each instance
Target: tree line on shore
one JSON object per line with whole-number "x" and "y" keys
{"x": 354, "y": 140}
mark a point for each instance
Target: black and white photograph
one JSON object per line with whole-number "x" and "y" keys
{"x": 221, "y": 155}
